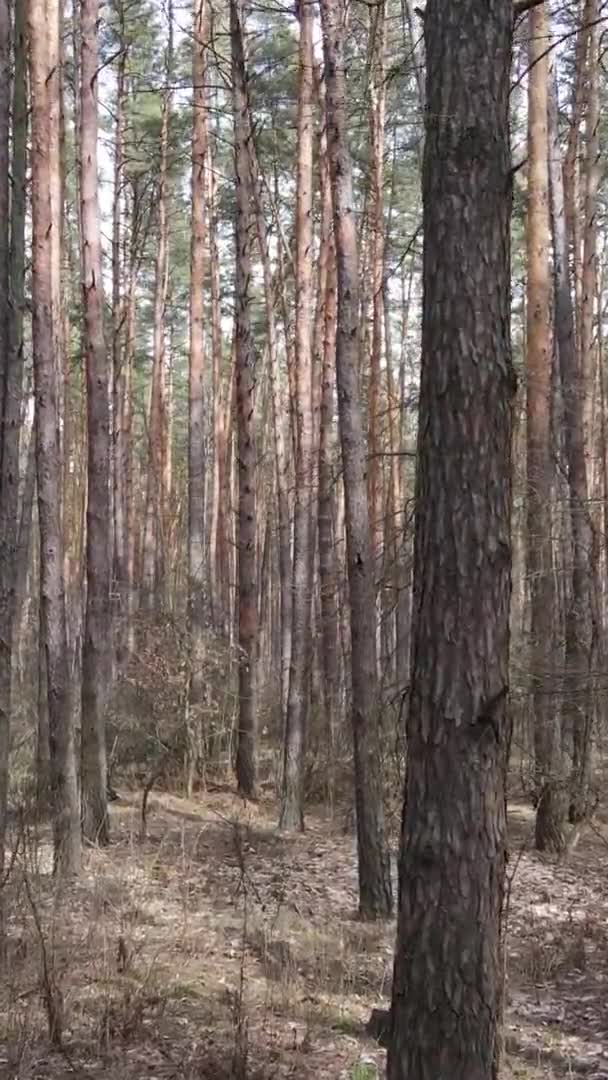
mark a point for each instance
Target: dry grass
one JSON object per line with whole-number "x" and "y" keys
{"x": 220, "y": 948}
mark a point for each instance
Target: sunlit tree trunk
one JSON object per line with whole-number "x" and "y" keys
{"x": 581, "y": 616}
{"x": 280, "y": 420}
{"x": 64, "y": 788}
{"x": 292, "y": 801}
{"x": 153, "y": 553}
{"x": 547, "y": 742}
{"x": 196, "y": 432}
{"x": 375, "y": 891}
{"x": 222, "y": 393}
{"x": 328, "y": 569}
{"x": 582, "y": 730}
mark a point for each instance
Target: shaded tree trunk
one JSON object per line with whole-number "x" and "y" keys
{"x": 96, "y": 653}
{"x": 448, "y": 965}
{"x": 121, "y": 365}
{"x": 245, "y": 395}
{"x": 375, "y": 891}
{"x": 7, "y": 524}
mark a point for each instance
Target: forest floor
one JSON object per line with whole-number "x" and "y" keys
{"x": 220, "y": 948}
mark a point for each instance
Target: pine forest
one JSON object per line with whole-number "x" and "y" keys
{"x": 303, "y": 539}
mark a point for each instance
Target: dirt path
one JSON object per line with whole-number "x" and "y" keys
{"x": 220, "y": 948}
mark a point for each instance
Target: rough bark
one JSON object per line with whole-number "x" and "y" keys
{"x": 96, "y": 655}
{"x": 63, "y": 780}
{"x": 245, "y": 395}
{"x": 547, "y": 743}
{"x": 196, "y": 404}
{"x": 292, "y": 800}
{"x": 375, "y": 891}
{"x": 448, "y": 964}
{"x": 7, "y": 543}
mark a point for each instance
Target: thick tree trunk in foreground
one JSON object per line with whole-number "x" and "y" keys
{"x": 196, "y": 434}
{"x": 63, "y": 780}
{"x": 245, "y": 392}
{"x": 375, "y": 892}
{"x": 292, "y": 803}
{"x": 7, "y": 523}
{"x": 547, "y": 742}
{"x": 448, "y": 965}
{"x": 96, "y": 654}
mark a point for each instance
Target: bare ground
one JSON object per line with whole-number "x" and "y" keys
{"x": 220, "y": 948}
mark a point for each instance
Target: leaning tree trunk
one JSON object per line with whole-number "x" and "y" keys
{"x": 96, "y": 652}
{"x": 196, "y": 433}
{"x": 63, "y": 779}
{"x": 292, "y": 801}
{"x": 245, "y": 393}
{"x": 375, "y": 891}
{"x": 547, "y": 744}
{"x": 448, "y": 964}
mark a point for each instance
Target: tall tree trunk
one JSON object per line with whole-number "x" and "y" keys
{"x": 64, "y": 787}
{"x": 196, "y": 433}
{"x": 245, "y": 394}
{"x": 551, "y": 794}
{"x": 121, "y": 368}
{"x": 376, "y": 229}
{"x": 280, "y": 418}
{"x": 328, "y": 570}
{"x": 448, "y": 966}
{"x": 583, "y": 717}
{"x": 96, "y": 654}
{"x": 582, "y": 614}
{"x": 12, "y": 303}
{"x": 7, "y": 541}
{"x": 292, "y": 802}
{"x": 153, "y": 553}
{"x": 375, "y": 890}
